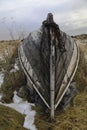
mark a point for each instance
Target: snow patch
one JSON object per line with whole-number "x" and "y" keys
{"x": 29, "y": 120}
{"x": 17, "y": 99}
{"x": 15, "y": 68}
{"x": 1, "y": 95}
{"x": 1, "y": 78}
{"x": 1, "y": 82}
{"x": 23, "y": 107}
{"x": 1, "y": 57}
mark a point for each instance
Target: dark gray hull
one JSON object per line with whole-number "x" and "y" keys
{"x": 34, "y": 55}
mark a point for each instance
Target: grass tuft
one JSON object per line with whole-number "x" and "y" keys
{"x": 12, "y": 80}
{"x": 10, "y": 119}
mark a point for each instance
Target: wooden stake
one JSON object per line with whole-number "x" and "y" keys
{"x": 52, "y": 74}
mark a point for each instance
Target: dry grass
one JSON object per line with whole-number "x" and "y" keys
{"x": 81, "y": 74}
{"x": 10, "y": 119}
{"x": 12, "y": 80}
{"x": 8, "y": 51}
{"x": 73, "y": 118}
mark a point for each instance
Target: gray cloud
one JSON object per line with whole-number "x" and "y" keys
{"x": 28, "y": 15}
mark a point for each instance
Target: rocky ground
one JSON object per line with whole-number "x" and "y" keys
{"x": 12, "y": 78}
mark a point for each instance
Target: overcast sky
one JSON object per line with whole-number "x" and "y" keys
{"x": 18, "y": 16}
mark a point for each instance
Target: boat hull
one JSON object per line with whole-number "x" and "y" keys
{"x": 34, "y": 55}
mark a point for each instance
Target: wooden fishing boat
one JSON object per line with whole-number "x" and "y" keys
{"x": 49, "y": 58}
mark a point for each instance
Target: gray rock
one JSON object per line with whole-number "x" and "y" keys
{"x": 23, "y": 92}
